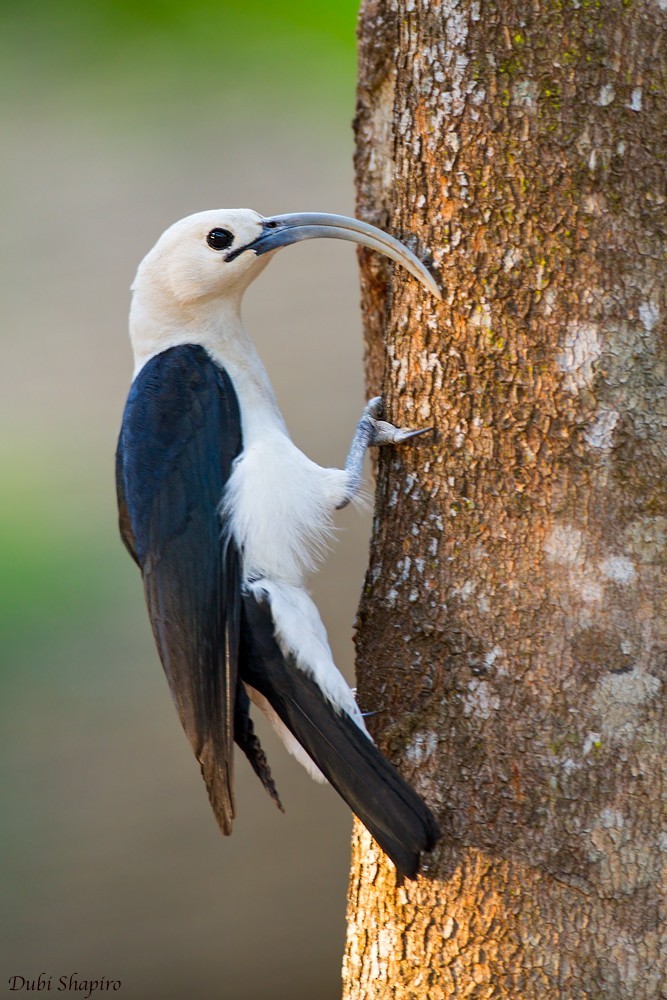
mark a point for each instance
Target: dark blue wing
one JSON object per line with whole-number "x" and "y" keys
{"x": 181, "y": 432}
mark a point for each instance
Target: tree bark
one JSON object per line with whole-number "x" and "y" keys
{"x": 512, "y": 627}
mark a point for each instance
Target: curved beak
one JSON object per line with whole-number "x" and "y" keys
{"x": 281, "y": 230}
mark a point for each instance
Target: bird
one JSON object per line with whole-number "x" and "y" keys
{"x": 226, "y": 518}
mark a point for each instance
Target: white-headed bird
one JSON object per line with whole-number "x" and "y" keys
{"x": 225, "y": 517}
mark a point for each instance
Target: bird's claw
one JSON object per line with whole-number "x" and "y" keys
{"x": 373, "y": 408}
{"x": 384, "y": 432}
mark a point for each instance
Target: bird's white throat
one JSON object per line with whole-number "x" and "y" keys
{"x": 216, "y": 326}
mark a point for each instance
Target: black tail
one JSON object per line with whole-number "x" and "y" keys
{"x": 246, "y": 738}
{"x": 389, "y": 808}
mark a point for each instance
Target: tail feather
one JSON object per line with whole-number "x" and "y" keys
{"x": 389, "y": 808}
{"x": 246, "y": 738}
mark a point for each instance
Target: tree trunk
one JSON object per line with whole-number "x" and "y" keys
{"x": 512, "y": 628}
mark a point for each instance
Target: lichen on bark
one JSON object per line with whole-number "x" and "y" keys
{"x": 512, "y": 628}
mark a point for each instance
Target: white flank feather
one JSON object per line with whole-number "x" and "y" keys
{"x": 289, "y": 741}
{"x": 300, "y": 633}
{"x": 279, "y": 506}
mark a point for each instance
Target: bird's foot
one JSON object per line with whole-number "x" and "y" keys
{"x": 371, "y": 430}
{"x": 382, "y": 432}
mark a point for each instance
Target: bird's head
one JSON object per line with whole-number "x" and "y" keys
{"x": 215, "y": 255}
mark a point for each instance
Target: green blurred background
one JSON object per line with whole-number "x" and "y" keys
{"x": 117, "y": 119}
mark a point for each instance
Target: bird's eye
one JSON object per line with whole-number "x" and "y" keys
{"x": 220, "y": 239}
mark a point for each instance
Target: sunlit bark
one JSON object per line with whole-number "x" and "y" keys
{"x": 512, "y": 628}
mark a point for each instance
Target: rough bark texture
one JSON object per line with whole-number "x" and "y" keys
{"x": 512, "y": 628}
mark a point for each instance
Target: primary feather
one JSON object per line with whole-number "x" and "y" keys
{"x": 180, "y": 435}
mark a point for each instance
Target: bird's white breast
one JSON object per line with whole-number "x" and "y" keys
{"x": 280, "y": 505}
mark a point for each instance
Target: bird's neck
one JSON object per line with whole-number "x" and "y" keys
{"x": 219, "y": 329}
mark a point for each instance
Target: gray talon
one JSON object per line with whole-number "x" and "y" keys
{"x": 386, "y": 433}
{"x": 371, "y": 430}
{"x": 382, "y": 431}
{"x": 404, "y": 433}
{"x": 374, "y": 407}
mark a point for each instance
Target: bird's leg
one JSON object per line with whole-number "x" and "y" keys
{"x": 371, "y": 430}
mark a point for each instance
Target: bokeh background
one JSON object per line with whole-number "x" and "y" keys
{"x": 117, "y": 118}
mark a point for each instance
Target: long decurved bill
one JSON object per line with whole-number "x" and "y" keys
{"x": 281, "y": 230}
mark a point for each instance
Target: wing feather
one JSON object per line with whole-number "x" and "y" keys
{"x": 180, "y": 435}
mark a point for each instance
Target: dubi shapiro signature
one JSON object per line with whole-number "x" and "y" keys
{"x": 64, "y": 984}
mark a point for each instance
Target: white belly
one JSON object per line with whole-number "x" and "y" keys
{"x": 280, "y": 507}
{"x": 279, "y": 503}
